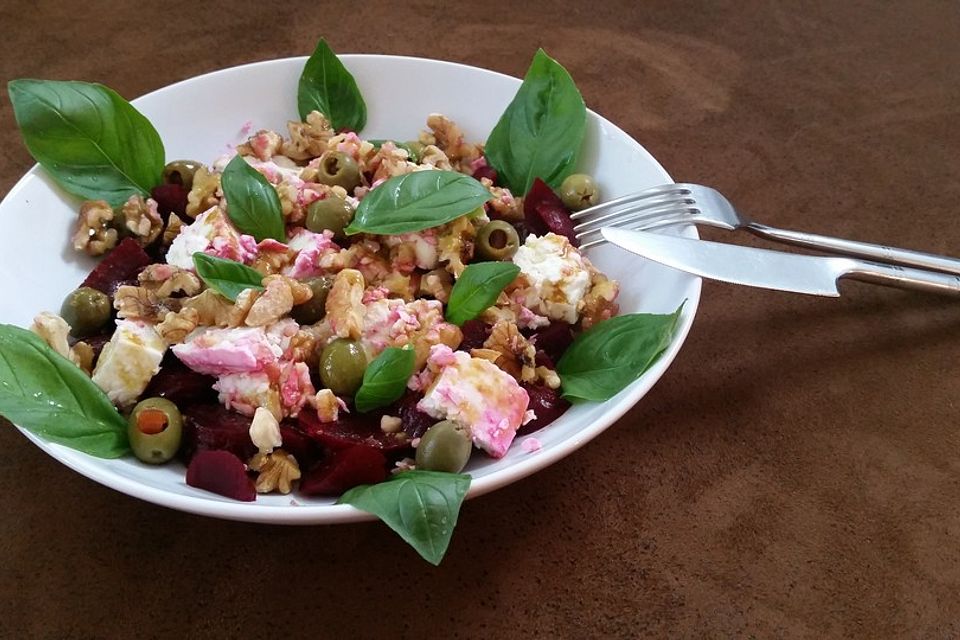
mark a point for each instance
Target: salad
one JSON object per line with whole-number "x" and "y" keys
{"x": 321, "y": 313}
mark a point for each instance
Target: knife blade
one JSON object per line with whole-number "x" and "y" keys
{"x": 763, "y": 268}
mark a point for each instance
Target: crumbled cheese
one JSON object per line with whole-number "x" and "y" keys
{"x": 211, "y": 233}
{"x": 129, "y": 361}
{"x": 558, "y": 275}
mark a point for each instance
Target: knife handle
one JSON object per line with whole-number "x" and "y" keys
{"x": 878, "y": 252}
{"x": 892, "y": 275}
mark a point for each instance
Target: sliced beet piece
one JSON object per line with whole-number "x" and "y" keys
{"x": 553, "y": 339}
{"x": 546, "y": 403}
{"x": 171, "y": 198}
{"x": 543, "y": 211}
{"x": 413, "y": 421}
{"x": 120, "y": 266}
{"x": 486, "y": 171}
{"x": 211, "y": 427}
{"x": 180, "y": 384}
{"x": 351, "y": 429}
{"x": 301, "y": 446}
{"x": 475, "y": 333}
{"x": 223, "y": 473}
{"x": 345, "y": 469}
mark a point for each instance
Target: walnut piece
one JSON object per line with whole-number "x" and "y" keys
{"x": 172, "y": 230}
{"x": 437, "y": 284}
{"x": 264, "y": 144}
{"x": 141, "y": 219}
{"x": 94, "y": 234}
{"x": 277, "y": 469}
{"x": 600, "y": 301}
{"x": 166, "y": 280}
{"x": 307, "y": 139}
{"x": 214, "y": 310}
{"x": 139, "y": 303}
{"x": 274, "y": 302}
{"x": 519, "y": 356}
{"x": 455, "y": 243}
{"x": 449, "y": 138}
{"x": 203, "y": 193}
{"x": 53, "y": 330}
{"x": 327, "y": 406}
{"x": 176, "y": 325}
{"x": 345, "y": 304}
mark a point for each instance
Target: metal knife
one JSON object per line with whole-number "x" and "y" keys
{"x": 815, "y": 275}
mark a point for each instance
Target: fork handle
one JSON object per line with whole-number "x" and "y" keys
{"x": 877, "y": 252}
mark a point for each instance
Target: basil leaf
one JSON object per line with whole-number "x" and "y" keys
{"x": 89, "y": 139}
{"x": 385, "y": 379}
{"x": 606, "y": 358}
{"x": 326, "y": 86}
{"x": 417, "y": 201}
{"x": 539, "y": 134}
{"x": 252, "y": 203}
{"x": 412, "y": 154}
{"x": 226, "y": 277}
{"x": 48, "y": 395}
{"x": 421, "y": 506}
{"x": 477, "y": 289}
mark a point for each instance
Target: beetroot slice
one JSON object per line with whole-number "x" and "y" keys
{"x": 171, "y": 198}
{"x": 413, "y": 421}
{"x": 211, "y": 427}
{"x": 120, "y": 266}
{"x": 181, "y": 384}
{"x": 351, "y": 429}
{"x": 543, "y": 211}
{"x": 223, "y": 473}
{"x": 486, "y": 171}
{"x": 344, "y": 470}
{"x": 475, "y": 333}
{"x": 302, "y": 447}
{"x": 553, "y": 339}
{"x": 546, "y": 403}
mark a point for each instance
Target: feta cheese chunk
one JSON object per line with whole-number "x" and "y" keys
{"x": 224, "y": 351}
{"x": 211, "y": 233}
{"x": 129, "y": 361}
{"x": 246, "y": 392}
{"x": 477, "y": 395}
{"x": 558, "y": 275}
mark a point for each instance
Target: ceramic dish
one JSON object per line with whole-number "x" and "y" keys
{"x": 198, "y": 118}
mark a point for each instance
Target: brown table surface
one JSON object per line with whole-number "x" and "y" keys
{"x": 794, "y": 474}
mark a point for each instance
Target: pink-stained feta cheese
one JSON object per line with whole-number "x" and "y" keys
{"x": 245, "y": 392}
{"x": 295, "y": 387}
{"x": 477, "y": 395}
{"x": 413, "y": 250}
{"x": 217, "y": 352}
{"x": 211, "y": 233}
{"x": 310, "y": 248}
{"x": 530, "y": 445}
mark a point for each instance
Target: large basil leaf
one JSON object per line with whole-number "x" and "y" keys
{"x": 421, "y": 506}
{"x": 252, "y": 203}
{"x": 226, "y": 277}
{"x": 539, "y": 134}
{"x": 477, "y": 289}
{"x": 48, "y": 395}
{"x": 610, "y": 355}
{"x": 89, "y": 139}
{"x": 385, "y": 379}
{"x": 417, "y": 201}
{"x": 326, "y": 86}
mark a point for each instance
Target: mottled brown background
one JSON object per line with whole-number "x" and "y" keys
{"x": 796, "y": 473}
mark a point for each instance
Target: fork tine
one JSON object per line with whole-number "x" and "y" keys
{"x": 656, "y": 224}
{"x": 649, "y": 211}
{"x": 666, "y": 191}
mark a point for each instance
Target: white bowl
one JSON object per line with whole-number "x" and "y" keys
{"x": 198, "y": 118}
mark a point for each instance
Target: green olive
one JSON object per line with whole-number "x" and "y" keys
{"x": 314, "y": 309}
{"x": 414, "y": 149}
{"x": 338, "y": 169}
{"x": 497, "y": 240}
{"x": 154, "y": 430}
{"x": 331, "y": 213}
{"x": 444, "y": 447}
{"x": 579, "y": 191}
{"x": 86, "y": 310}
{"x": 181, "y": 172}
{"x": 342, "y": 364}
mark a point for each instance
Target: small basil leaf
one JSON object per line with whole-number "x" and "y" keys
{"x": 46, "y": 394}
{"x": 252, "y": 203}
{"x": 385, "y": 379}
{"x": 421, "y": 506}
{"x": 606, "y": 358}
{"x": 540, "y": 132}
{"x": 477, "y": 289}
{"x": 226, "y": 277}
{"x": 89, "y": 139}
{"x": 326, "y": 86}
{"x": 417, "y": 201}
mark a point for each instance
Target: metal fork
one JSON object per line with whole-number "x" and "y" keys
{"x": 696, "y": 204}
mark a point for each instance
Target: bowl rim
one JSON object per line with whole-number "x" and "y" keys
{"x": 304, "y": 514}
